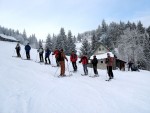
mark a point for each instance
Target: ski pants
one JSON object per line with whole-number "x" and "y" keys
{"x": 57, "y": 62}
{"x": 95, "y": 69}
{"x": 41, "y": 57}
{"x": 85, "y": 69}
{"x": 47, "y": 57}
{"x": 62, "y": 68}
{"x": 28, "y": 54}
{"x": 110, "y": 73}
{"x": 74, "y": 66}
{"x": 18, "y": 53}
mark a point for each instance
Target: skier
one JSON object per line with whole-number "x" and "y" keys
{"x": 84, "y": 61}
{"x": 27, "y": 49}
{"x": 109, "y": 63}
{"x": 61, "y": 58}
{"x": 56, "y": 52}
{"x": 47, "y": 54}
{"x": 130, "y": 63}
{"x": 18, "y": 48}
{"x": 41, "y": 51}
{"x": 94, "y": 63}
{"x": 73, "y": 59}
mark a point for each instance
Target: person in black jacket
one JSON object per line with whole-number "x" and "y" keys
{"x": 18, "y": 48}
{"x": 27, "y": 49}
{"x": 94, "y": 63}
{"x": 47, "y": 54}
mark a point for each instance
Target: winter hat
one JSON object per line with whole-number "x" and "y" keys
{"x": 108, "y": 54}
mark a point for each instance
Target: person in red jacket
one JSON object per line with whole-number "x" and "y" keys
{"x": 84, "y": 61}
{"x": 109, "y": 62}
{"x": 56, "y": 52}
{"x": 73, "y": 59}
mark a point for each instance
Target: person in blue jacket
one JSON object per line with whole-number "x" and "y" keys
{"x": 47, "y": 54}
{"x": 27, "y": 49}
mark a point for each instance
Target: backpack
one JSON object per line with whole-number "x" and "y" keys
{"x": 59, "y": 58}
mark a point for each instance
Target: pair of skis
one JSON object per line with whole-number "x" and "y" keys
{"x": 21, "y": 58}
{"x": 64, "y": 76}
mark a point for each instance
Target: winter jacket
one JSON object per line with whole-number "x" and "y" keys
{"x": 109, "y": 61}
{"x": 61, "y": 56}
{"x": 56, "y": 52}
{"x": 84, "y": 60}
{"x": 41, "y": 50}
{"x": 17, "y": 48}
{"x": 47, "y": 52}
{"x": 73, "y": 58}
{"x": 27, "y": 48}
{"x": 94, "y": 61}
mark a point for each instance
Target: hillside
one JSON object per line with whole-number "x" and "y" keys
{"x": 30, "y": 87}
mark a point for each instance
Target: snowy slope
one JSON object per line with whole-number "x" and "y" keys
{"x": 29, "y": 87}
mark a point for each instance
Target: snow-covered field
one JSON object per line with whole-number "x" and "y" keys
{"x": 29, "y": 87}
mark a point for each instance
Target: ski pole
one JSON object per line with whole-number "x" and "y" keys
{"x": 13, "y": 53}
{"x": 91, "y": 69}
{"x": 23, "y": 55}
{"x": 36, "y": 57}
{"x": 56, "y": 71}
{"x": 68, "y": 68}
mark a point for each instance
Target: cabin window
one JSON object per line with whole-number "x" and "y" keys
{"x": 99, "y": 49}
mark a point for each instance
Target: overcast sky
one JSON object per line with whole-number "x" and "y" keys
{"x": 48, "y": 16}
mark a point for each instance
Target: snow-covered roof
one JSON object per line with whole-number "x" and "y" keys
{"x": 103, "y": 56}
{"x": 8, "y": 37}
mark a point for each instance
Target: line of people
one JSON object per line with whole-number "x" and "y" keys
{"x": 60, "y": 58}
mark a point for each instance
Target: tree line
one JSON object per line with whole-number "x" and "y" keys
{"x": 128, "y": 41}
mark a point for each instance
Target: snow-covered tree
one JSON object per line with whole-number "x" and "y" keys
{"x": 33, "y": 41}
{"x": 79, "y": 37}
{"x": 70, "y": 44}
{"x": 40, "y": 43}
{"x": 147, "y": 52}
{"x": 94, "y": 43}
{"x": 61, "y": 42}
{"x": 54, "y": 41}
{"x": 148, "y": 30}
{"x": 131, "y": 46}
{"x": 86, "y": 48}
{"x": 49, "y": 42}
{"x": 140, "y": 28}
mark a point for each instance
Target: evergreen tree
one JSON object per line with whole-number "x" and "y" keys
{"x": 148, "y": 31}
{"x": 104, "y": 27}
{"x": 54, "y": 41}
{"x": 71, "y": 44}
{"x": 33, "y": 41}
{"x": 49, "y": 42}
{"x": 79, "y": 37}
{"x": 24, "y": 35}
{"x": 74, "y": 39}
{"x": 62, "y": 40}
{"x": 147, "y": 52}
{"x": 85, "y": 49}
{"x": 99, "y": 32}
{"x": 128, "y": 25}
{"x": 40, "y": 43}
{"x": 94, "y": 43}
{"x": 140, "y": 28}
